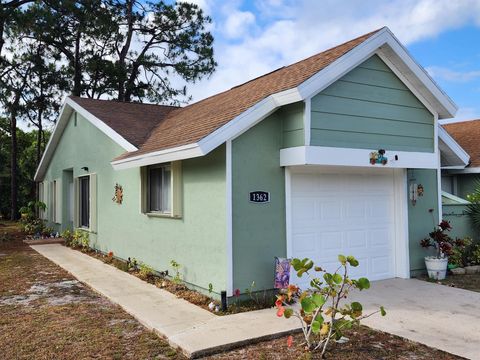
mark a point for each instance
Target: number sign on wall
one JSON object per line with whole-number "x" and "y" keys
{"x": 259, "y": 197}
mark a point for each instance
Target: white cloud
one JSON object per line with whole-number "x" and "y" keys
{"x": 450, "y": 75}
{"x": 284, "y": 32}
{"x": 237, "y": 24}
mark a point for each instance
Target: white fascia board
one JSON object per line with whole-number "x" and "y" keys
{"x": 65, "y": 113}
{"x": 107, "y": 130}
{"x": 449, "y": 107}
{"x": 450, "y": 142}
{"x": 248, "y": 119}
{"x": 342, "y": 65}
{"x": 158, "y": 157}
{"x": 362, "y": 52}
{"x": 333, "y": 156}
{"x": 230, "y": 130}
{"x": 468, "y": 170}
{"x": 455, "y": 198}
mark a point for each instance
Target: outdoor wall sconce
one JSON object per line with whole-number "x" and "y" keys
{"x": 85, "y": 168}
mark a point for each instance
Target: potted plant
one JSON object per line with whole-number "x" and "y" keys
{"x": 443, "y": 245}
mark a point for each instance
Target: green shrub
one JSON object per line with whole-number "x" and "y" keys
{"x": 145, "y": 272}
{"x": 473, "y": 209}
{"x": 324, "y": 313}
{"x": 177, "y": 279}
{"x": 77, "y": 239}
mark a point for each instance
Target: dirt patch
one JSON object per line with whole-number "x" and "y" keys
{"x": 363, "y": 343}
{"x": 48, "y": 314}
{"x": 467, "y": 281}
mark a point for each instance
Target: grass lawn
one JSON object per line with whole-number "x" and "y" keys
{"x": 47, "y": 314}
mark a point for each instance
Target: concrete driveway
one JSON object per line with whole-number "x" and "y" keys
{"x": 439, "y": 316}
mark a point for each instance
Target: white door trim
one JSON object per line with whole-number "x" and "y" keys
{"x": 288, "y": 211}
{"x": 401, "y": 241}
{"x": 229, "y": 224}
{"x": 402, "y": 258}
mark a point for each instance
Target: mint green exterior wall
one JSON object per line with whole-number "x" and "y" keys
{"x": 466, "y": 184}
{"x": 292, "y": 122}
{"x": 258, "y": 229}
{"x": 421, "y": 220}
{"x": 456, "y": 214}
{"x": 197, "y": 241}
{"x": 371, "y": 108}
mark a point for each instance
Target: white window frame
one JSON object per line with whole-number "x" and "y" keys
{"x": 163, "y": 167}
{"x": 175, "y": 196}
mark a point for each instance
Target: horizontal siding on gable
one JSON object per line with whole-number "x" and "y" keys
{"x": 370, "y": 108}
{"x": 292, "y": 124}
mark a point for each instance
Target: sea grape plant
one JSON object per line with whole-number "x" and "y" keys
{"x": 324, "y": 312}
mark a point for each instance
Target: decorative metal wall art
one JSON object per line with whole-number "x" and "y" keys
{"x": 118, "y": 195}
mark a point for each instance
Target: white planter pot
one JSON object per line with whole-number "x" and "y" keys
{"x": 436, "y": 268}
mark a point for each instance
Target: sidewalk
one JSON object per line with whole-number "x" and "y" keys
{"x": 196, "y": 331}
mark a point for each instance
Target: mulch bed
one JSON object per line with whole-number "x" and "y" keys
{"x": 364, "y": 344}
{"x": 181, "y": 290}
{"x": 467, "y": 281}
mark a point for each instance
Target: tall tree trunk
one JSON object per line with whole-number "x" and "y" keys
{"x": 13, "y": 166}
{"x": 39, "y": 136}
{"x": 77, "y": 68}
{"x": 124, "y": 52}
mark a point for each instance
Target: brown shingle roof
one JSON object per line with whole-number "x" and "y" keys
{"x": 133, "y": 121}
{"x": 192, "y": 123}
{"x": 467, "y": 134}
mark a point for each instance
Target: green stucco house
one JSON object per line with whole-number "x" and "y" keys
{"x": 321, "y": 157}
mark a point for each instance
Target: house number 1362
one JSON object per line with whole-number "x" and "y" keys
{"x": 259, "y": 196}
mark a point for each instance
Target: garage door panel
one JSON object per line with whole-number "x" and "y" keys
{"x": 330, "y": 241}
{"x": 348, "y": 213}
{"x": 355, "y": 209}
{"x": 303, "y": 210}
{"x": 381, "y": 265}
{"x": 329, "y": 210}
{"x": 304, "y": 243}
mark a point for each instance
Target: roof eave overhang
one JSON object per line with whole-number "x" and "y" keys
{"x": 383, "y": 43}
{"x": 69, "y": 106}
{"x": 451, "y": 150}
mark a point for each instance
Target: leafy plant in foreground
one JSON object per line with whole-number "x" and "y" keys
{"x": 324, "y": 314}
{"x": 177, "y": 279}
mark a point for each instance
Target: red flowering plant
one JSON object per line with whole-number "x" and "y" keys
{"x": 441, "y": 241}
{"x": 324, "y": 313}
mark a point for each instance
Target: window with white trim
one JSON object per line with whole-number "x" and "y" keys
{"x": 159, "y": 189}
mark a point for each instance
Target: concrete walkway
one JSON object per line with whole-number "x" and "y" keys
{"x": 196, "y": 331}
{"x": 439, "y": 316}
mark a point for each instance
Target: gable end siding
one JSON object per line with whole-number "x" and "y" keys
{"x": 371, "y": 108}
{"x": 292, "y": 124}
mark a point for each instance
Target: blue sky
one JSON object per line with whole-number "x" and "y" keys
{"x": 255, "y": 37}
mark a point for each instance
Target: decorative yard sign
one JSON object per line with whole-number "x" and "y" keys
{"x": 282, "y": 273}
{"x": 259, "y": 197}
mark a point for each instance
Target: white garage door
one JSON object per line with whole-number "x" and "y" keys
{"x": 350, "y": 213}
